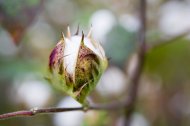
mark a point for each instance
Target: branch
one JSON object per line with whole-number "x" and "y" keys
{"x": 137, "y": 72}
{"x": 166, "y": 42}
{"x": 36, "y": 111}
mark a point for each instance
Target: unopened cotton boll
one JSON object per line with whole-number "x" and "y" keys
{"x": 30, "y": 91}
{"x": 112, "y": 83}
{"x": 175, "y": 18}
{"x": 72, "y": 118}
{"x": 102, "y": 19}
{"x": 76, "y": 65}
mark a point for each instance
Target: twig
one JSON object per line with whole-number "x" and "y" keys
{"x": 161, "y": 43}
{"x": 36, "y": 111}
{"x": 137, "y": 72}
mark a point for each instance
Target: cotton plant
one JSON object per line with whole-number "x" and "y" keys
{"x": 76, "y": 65}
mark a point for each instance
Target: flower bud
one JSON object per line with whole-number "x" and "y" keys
{"x": 76, "y": 65}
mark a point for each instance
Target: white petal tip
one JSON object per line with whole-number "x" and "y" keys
{"x": 68, "y": 32}
{"x": 63, "y": 36}
{"x": 90, "y": 33}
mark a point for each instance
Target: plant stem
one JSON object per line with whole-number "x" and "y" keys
{"x": 36, "y": 111}
{"x": 138, "y": 70}
{"x": 162, "y": 43}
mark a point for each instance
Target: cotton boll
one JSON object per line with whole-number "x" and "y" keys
{"x": 129, "y": 22}
{"x": 113, "y": 82}
{"x": 102, "y": 22}
{"x": 76, "y": 64}
{"x": 137, "y": 120}
{"x": 31, "y": 91}
{"x": 175, "y": 18}
{"x": 74, "y": 118}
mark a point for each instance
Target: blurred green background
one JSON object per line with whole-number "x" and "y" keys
{"x": 29, "y": 30}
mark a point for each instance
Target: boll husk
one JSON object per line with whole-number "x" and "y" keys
{"x": 76, "y": 65}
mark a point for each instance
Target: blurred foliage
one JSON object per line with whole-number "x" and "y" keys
{"x": 17, "y": 15}
{"x": 170, "y": 63}
{"x": 120, "y": 45}
{"x": 12, "y": 67}
{"x": 168, "y": 60}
